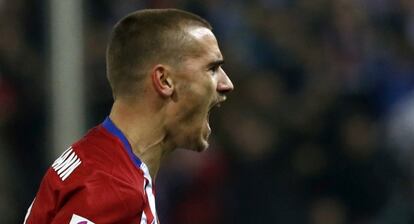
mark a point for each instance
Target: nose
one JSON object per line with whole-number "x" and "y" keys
{"x": 224, "y": 84}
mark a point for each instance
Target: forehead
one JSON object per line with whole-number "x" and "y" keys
{"x": 199, "y": 32}
{"x": 205, "y": 42}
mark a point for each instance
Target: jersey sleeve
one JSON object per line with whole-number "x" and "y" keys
{"x": 98, "y": 202}
{"x": 42, "y": 208}
{"x": 87, "y": 195}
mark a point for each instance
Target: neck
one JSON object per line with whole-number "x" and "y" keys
{"x": 143, "y": 127}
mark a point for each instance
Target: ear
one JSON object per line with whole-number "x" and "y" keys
{"x": 162, "y": 81}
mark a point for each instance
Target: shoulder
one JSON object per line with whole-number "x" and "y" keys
{"x": 96, "y": 161}
{"x": 94, "y": 151}
{"x": 97, "y": 154}
{"x": 90, "y": 177}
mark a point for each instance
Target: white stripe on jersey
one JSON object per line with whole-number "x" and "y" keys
{"x": 28, "y": 211}
{"x": 143, "y": 218}
{"x": 149, "y": 193}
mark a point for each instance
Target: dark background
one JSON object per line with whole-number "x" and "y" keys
{"x": 319, "y": 129}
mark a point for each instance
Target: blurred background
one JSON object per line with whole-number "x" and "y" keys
{"x": 319, "y": 129}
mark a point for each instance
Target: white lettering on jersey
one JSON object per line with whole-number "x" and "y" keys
{"x": 76, "y": 219}
{"x": 66, "y": 163}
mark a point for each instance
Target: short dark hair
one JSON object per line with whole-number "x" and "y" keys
{"x": 144, "y": 37}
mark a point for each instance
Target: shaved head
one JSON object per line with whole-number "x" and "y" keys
{"x": 145, "y": 38}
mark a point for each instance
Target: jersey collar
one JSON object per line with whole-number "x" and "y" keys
{"x": 111, "y": 127}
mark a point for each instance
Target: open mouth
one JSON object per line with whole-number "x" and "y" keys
{"x": 215, "y": 105}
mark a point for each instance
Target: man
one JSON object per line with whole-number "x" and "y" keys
{"x": 164, "y": 68}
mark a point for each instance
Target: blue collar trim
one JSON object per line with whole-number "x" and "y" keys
{"x": 111, "y": 127}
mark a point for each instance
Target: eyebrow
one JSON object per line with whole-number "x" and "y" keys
{"x": 215, "y": 63}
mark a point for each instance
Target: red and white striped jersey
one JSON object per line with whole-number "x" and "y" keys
{"x": 97, "y": 180}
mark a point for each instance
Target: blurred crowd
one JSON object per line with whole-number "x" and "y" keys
{"x": 319, "y": 129}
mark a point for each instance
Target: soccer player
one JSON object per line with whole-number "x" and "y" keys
{"x": 164, "y": 68}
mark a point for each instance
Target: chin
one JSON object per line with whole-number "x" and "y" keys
{"x": 200, "y": 145}
{"x": 204, "y": 147}
{"x": 197, "y": 141}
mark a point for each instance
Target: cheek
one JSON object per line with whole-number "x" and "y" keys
{"x": 193, "y": 111}
{"x": 194, "y": 97}
{"x": 213, "y": 84}
{"x": 199, "y": 93}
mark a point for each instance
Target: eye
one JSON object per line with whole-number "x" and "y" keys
{"x": 214, "y": 69}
